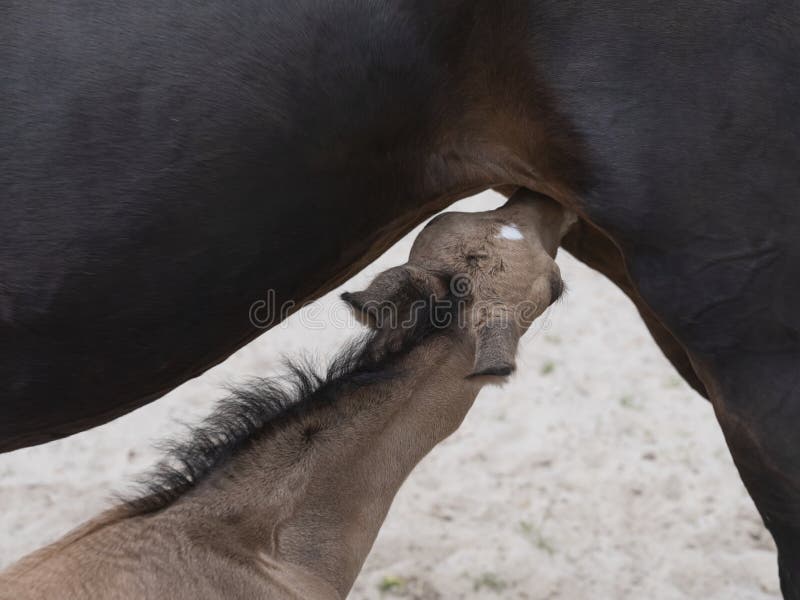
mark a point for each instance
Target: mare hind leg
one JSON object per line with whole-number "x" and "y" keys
{"x": 589, "y": 245}
{"x": 757, "y": 401}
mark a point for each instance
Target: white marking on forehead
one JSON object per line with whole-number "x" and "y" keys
{"x": 510, "y": 232}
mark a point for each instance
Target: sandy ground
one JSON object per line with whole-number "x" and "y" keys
{"x": 595, "y": 474}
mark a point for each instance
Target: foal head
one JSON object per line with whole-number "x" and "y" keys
{"x": 493, "y": 271}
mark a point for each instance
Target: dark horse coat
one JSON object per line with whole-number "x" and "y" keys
{"x": 165, "y": 165}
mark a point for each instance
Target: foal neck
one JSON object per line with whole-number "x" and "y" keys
{"x": 315, "y": 493}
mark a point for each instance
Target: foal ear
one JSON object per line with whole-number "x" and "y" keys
{"x": 391, "y": 296}
{"x": 496, "y": 348}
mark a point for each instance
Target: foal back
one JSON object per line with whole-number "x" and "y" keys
{"x": 161, "y": 556}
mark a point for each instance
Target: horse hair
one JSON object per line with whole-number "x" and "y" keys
{"x": 256, "y": 409}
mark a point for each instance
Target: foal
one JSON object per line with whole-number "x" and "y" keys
{"x": 281, "y": 494}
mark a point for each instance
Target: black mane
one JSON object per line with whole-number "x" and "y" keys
{"x": 256, "y": 409}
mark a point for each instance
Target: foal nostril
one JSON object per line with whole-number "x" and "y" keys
{"x": 556, "y": 287}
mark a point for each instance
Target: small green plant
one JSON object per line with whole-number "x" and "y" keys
{"x": 391, "y": 583}
{"x": 627, "y": 401}
{"x": 548, "y": 368}
{"x": 489, "y": 581}
{"x": 535, "y": 535}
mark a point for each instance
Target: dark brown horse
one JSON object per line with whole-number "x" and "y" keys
{"x": 164, "y": 166}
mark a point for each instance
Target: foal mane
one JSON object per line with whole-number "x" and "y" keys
{"x": 262, "y": 406}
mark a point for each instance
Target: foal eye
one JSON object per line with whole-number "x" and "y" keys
{"x": 474, "y": 258}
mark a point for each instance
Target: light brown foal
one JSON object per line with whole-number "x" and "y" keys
{"x": 281, "y": 495}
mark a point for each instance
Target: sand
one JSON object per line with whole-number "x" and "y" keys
{"x": 596, "y": 473}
